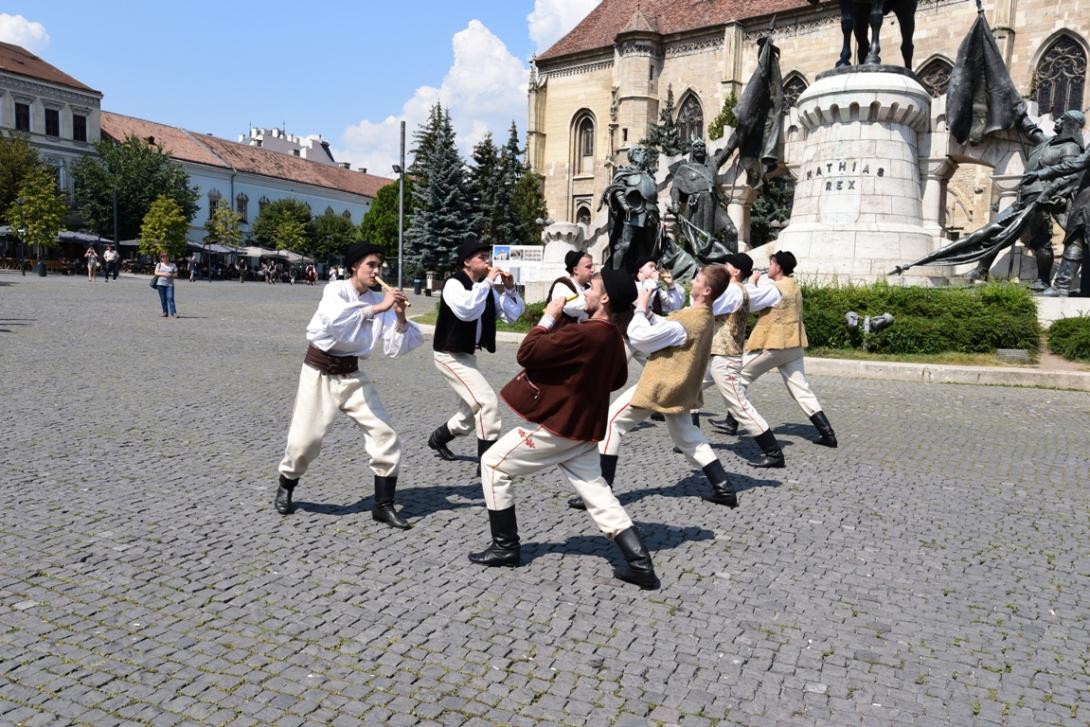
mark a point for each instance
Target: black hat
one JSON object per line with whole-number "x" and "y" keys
{"x": 646, "y": 259}
{"x": 469, "y": 247}
{"x": 572, "y": 258}
{"x": 620, "y": 288}
{"x": 359, "y": 251}
{"x": 741, "y": 261}
{"x": 785, "y": 260}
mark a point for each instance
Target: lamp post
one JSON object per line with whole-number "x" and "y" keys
{"x": 22, "y": 239}
{"x": 400, "y": 170}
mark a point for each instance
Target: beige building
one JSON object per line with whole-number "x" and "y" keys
{"x": 596, "y": 91}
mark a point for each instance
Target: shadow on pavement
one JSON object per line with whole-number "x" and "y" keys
{"x": 656, "y": 536}
{"x": 695, "y": 485}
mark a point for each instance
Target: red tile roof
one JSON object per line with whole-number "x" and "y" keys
{"x": 211, "y": 150}
{"x": 599, "y": 29}
{"x": 22, "y": 62}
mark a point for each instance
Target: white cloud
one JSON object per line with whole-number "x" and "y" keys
{"x": 552, "y": 19}
{"x": 17, "y": 30}
{"x": 484, "y": 89}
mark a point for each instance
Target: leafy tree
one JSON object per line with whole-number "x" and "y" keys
{"x": 17, "y": 159}
{"x": 665, "y": 136}
{"x": 772, "y": 205}
{"x": 141, "y": 173}
{"x": 442, "y": 204}
{"x": 379, "y": 225}
{"x": 330, "y": 235}
{"x": 38, "y": 219}
{"x": 528, "y": 204}
{"x": 267, "y": 225}
{"x": 725, "y": 118}
{"x": 164, "y": 228}
{"x": 223, "y": 227}
{"x": 484, "y": 183}
{"x": 291, "y": 234}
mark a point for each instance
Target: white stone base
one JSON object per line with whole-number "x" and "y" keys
{"x": 1050, "y": 310}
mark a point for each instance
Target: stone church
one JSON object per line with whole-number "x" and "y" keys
{"x": 598, "y": 89}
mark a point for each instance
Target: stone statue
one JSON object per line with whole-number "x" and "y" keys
{"x": 854, "y": 18}
{"x": 632, "y": 199}
{"x": 1077, "y": 229}
{"x": 702, "y": 221}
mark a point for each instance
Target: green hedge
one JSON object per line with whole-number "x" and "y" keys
{"x": 1070, "y": 338}
{"x": 976, "y": 319}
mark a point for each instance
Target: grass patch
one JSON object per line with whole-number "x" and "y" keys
{"x": 529, "y": 318}
{"x": 948, "y": 357}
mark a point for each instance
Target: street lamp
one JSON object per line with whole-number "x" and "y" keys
{"x": 22, "y": 238}
{"x": 399, "y": 169}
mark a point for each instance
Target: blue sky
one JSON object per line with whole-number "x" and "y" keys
{"x": 347, "y": 70}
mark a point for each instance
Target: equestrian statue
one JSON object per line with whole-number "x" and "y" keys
{"x": 855, "y": 15}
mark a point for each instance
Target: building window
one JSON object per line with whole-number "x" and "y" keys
{"x": 214, "y": 198}
{"x": 262, "y": 204}
{"x": 584, "y": 145}
{"x": 1061, "y": 77}
{"x": 52, "y": 122}
{"x": 295, "y": 152}
{"x": 22, "y": 117}
{"x": 79, "y": 127}
{"x": 792, "y": 89}
{"x": 582, "y": 215}
{"x": 242, "y": 204}
{"x": 347, "y": 214}
{"x": 690, "y": 119}
{"x": 329, "y": 211}
{"x": 935, "y": 76}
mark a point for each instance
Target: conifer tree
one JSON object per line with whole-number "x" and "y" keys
{"x": 508, "y": 226}
{"x": 665, "y": 136}
{"x": 528, "y": 203}
{"x": 483, "y": 182}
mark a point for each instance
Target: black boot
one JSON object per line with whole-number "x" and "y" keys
{"x": 438, "y": 441}
{"x": 722, "y": 490}
{"x": 282, "y": 503}
{"x": 1044, "y": 257}
{"x": 640, "y": 570}
{"x": 696, "y": 418}
{"x": 657, "y": 417}
{"x": 771, "y": 454}
{"x": 1065, "y": 277}
{"x": 609, "y": 471}
{"x": 482, "y": 447}
{"x": 825, "y": 429}
{"x": 505, "y": 549}
{"x": 729, "y": 425}
{"x": 383, "y": 509}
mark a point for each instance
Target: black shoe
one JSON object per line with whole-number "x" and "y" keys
{"x": 608, "y": 463}
{"x": 657, "y": 417}
{"x": 771, "y": 454}
{"x": 695, "y": 416}
{"x": 729, "y": 425}
{"x": 640, "y": 570}
{"x": 483, "y": 445}
{"x": 825, "y": 429}
{"x": 505, "y": 549}
{"x": 438, "y": 441}
{"x": 282, "y": 503}
{"x": 383, "y": 510}
{"x": 722, "y": 490}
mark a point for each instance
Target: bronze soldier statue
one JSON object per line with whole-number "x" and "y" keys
{"x": 694, "y": 199}
{"x": 632, "y": 199}
{"x": 1076, "y": 229}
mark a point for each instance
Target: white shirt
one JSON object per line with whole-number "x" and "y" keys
{"x": 468, "y": 305}
{"x": 346, "y": 325}
{"x": 577, "y": 307}
{"x": 648, "y": 333}
{"x": 110, "y": 256}
{"x": 760, "y": 297}
{"x": 671, "y": 299}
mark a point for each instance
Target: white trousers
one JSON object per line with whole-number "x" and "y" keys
{"x": 687, "y": 436}
{"x": 531, "y": 448}
{"x": 725, "y": 372}
{"x": 789, "y": 362}
{"x": 318, "y": 400}
{"x": 478, "y": 406}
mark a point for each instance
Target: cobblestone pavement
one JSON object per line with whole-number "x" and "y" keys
{"x": 933, "y": 570}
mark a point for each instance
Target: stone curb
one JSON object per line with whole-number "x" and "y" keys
{"x": 921, "y": 373}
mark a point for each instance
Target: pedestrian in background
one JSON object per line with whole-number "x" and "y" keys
{"x": 165, "y": 273}
{"x": 112, "y": 259}
{"x": 312, "y": 274}
{"x": 92, "y": 263}
{"x": 192, "y": 268}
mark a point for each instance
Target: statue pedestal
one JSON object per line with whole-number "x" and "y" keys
{"x": 857, "y": 210}
{"x": 559, "y": 239}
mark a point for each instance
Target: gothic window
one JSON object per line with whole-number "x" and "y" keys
{"x": 690, "y": 120}
{"x": 262, "y": 203}
{"x": 242, "y": 203}
{"x": 584, "y": 145}
{"x": 792, "y": 89}
{"x": 347, "y": 214}
{"x": 935, "y": 76}
{"x": 1061, "y": 77}
{"x": 582, "y": 215}
{"x": 328, "y": 211}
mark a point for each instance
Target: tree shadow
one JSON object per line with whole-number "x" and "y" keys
{"x": 656, "y": 536}
{"x": 695, "y": 485}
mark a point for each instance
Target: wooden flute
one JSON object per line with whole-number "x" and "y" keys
{"x": 388, "y": 289}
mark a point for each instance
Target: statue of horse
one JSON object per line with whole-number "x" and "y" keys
{"x": 855, "y": 15}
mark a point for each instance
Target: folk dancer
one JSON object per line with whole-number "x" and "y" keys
{"x": 350, "y": 322}
{"x": 563, "y": 396}
{"x": 571, "y": 288}
{"x": 468, "y": 310}
{"x": 731, "y": 311}
{"x": 779, "y": 341}
{"x": 678, "y": 349}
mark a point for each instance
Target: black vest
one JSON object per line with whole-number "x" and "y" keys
{"x": 454, "y": 335}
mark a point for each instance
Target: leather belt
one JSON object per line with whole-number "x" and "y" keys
{"x": 329, "y": 364}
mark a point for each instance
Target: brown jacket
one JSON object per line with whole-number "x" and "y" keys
{"x": 781, "y": 325}
{"x": 673, "y": 377}
{"x": 569, "y": 373}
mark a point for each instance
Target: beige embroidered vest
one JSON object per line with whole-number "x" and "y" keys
{"x": 730, "y": 329}
{"x": 781, "y": 325}
{"x": 673, "y": 378}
